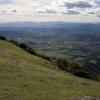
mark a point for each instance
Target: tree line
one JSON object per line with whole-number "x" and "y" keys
{"x": 25, "y": 47}
{"x": 73, "y": 67}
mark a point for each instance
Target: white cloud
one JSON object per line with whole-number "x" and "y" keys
{"x": 98, "y": 15}
{"x": 2, "y": 11}
{"x": 9, "y": 11}
{"x": 71, "y": 12}
{"x": 49, "y": 10}
{"x": 94, "y": 12}
{"x": 36, "y": 5}
{"x": 14, "y": 11}
{"x": 78, "y": 4}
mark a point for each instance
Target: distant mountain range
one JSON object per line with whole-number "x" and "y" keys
{"x": 49, "y": 24}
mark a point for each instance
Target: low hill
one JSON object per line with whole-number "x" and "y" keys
{"x": 26, "y": 77}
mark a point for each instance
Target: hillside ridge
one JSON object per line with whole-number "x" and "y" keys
{"x": 26, "y": 77}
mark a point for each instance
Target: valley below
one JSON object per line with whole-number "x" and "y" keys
{"x": 75, "y": 42}
{"x": 26, "y": 75}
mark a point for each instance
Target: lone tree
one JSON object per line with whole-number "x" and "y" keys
{"x": 74, "y": 66}
{"x": 62, "y": 63}
{"x": 22, "y": 45}
{"x": 30, "y": 50}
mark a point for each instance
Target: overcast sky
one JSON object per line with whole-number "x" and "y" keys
{"x": 50, "y": 10}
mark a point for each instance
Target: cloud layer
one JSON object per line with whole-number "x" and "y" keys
{"x": 50, "y": 10}
{"x": 73, "y": 7}
{"x": 78, "y": 4}
{"x": 4, "y": 2}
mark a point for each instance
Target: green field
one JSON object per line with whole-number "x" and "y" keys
{"x": 27, "y": 77}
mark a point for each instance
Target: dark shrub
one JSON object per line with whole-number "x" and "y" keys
{"x": 2, "y": 38}
{"x": 30, "y": 50}
{"x": 74, "y": 66}
{"x": 44, "y": 57}
{"x": 14, "y": 42}
{"x": 82, "y": 73}
{"x": 98, "y": 78}
{"x": 22, "y": 45}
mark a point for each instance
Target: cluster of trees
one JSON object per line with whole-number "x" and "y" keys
{"x": 73, "y": 67}
{"x": 29, "y": 49}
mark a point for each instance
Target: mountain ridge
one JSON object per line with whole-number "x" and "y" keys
{"x": 57, "y": 24}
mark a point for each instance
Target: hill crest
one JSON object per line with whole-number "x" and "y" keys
{"x": 24, "y": 76}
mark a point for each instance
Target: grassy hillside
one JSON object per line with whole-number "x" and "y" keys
{"x": 27, "y": 77}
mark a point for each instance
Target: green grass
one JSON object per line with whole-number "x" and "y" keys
{"x": 27, "y": 77}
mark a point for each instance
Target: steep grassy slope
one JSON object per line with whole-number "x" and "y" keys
{"x": 27, "y": 77}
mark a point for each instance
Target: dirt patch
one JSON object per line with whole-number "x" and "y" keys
{"x": 84, "y": 98}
